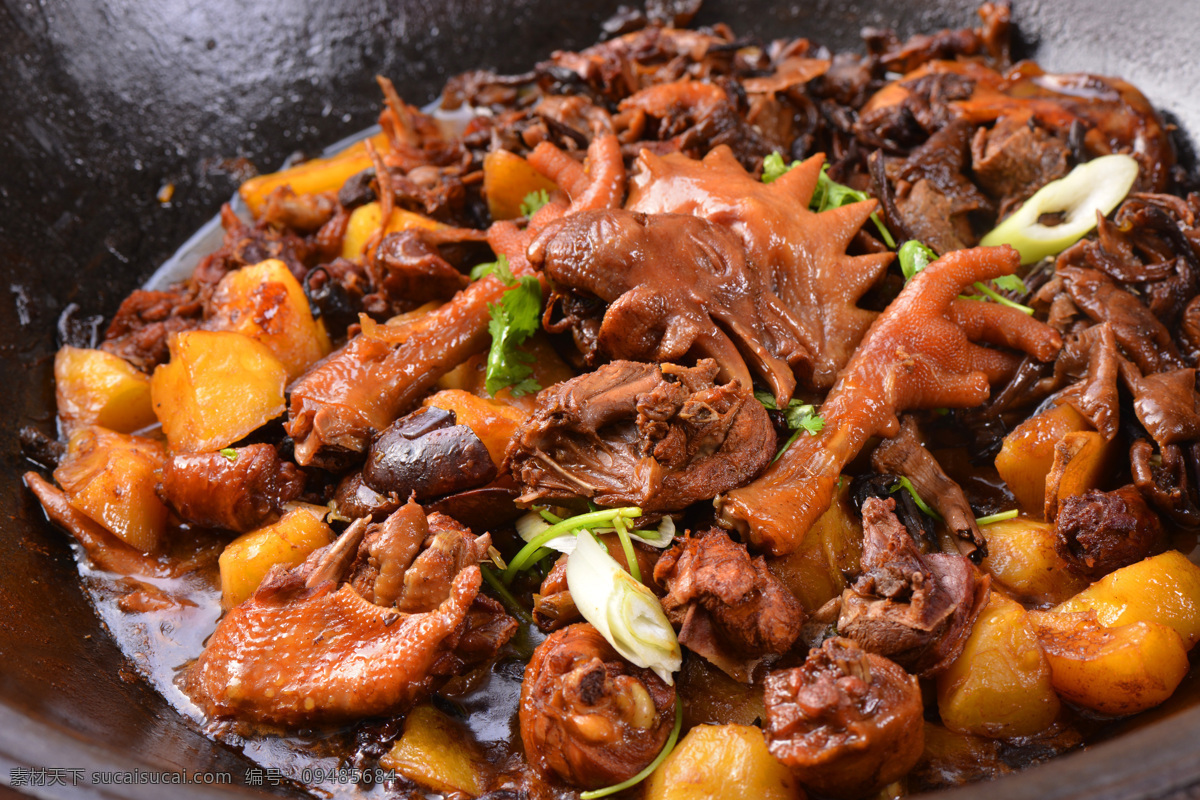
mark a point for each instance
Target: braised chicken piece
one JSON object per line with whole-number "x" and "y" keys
{"x": 1099, "y": 532}
{"x": 237, "y": 490}
{"x": 916, "y": 609}
{"x": 731, "y": 609}
{"x": 804, "y": 276}
{"x": 587, "y": 715}
{"x": 660, "y": 437}
{"x": 675, "y": 284}
{"x": 920, "y": 353}
{"x": 309, "y": 648}
{"x": 847, "y": 722}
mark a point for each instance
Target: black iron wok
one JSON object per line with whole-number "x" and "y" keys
{"x": 105, "y": 103}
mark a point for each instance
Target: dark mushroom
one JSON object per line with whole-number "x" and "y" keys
{"x": 426, "y": 455}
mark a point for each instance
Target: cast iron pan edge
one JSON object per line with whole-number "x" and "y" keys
{"x": 105, "y": 102}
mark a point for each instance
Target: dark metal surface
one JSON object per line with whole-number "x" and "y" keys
{"x": 103, "y": 102}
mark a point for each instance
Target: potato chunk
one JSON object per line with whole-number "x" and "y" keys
{"x": 816, "y": 571}
{"x": 1083, "y": 461}
{"x": 1000, "y": 685}
{"x": 110, "y": 477}
{"x": 364, "y": 223}
{"x": 1027, "y": 455}
{"x": 507, "y": 180}
{"x": 1164, "y": 588}
{"x": 267, "y": 303}
{"x": 93, "y": 387}
{"x": 218, "y": 387}
{"x": 1023, "y": 560}
{"x": 1114, "y": 671}
{"x": 437, "y": 754}
{"x": 247, "y": 559}
{"x": 715, "y": 762}
{"x": 313, "y": 176}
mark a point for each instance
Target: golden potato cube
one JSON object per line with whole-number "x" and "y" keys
{"x": 1082, "y": 461}
{"x": 717, "y": 762}
{"x": 436, "y": 753}
{"x": 364, "y": 223}
{"x": 218, "y": 387}
{"x": 93, "y": 387}
{"x": 507, "y": 180}
{"x": 816, "y": 571}
{"x": 313, "y": 176}
{"x": 1027, "y": 454}
{"x": 494, "y": 423}
{"x": 110, "y": 477}
{"x": 1116, "y": 671}
{"x": 1163, "y": 588}
{"x": 1000, "y": 685}
{"x": 1023, "y": 560}
{"x": 247, "y": 559}
{"x": 267, "y": 303}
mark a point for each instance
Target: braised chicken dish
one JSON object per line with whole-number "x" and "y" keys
{"x": 688, "y": 416}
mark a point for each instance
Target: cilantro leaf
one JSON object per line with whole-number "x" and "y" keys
{"x": 828, "y": 194}
{"x": 800, "y": 418}
{"x": 513, "y": 320}
{"x": 1010, "y": 283}
{"x": 914, "y": 257}
{"x": 773, "y": 167}
{"x": 499, "y": 268}
{"x": 534, "y": 201}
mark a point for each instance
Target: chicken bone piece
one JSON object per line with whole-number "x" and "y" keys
{"x": 235, "y": 490}
{"x": 916, "y": 609}
{"x": 307, "y": 648}
{"x": 676, "y": 285}
{"x": 847, "y": 722}
{"x": 921, "y": 353}
{"x": 1099, "y": 532}
{"x": 731, "y": 609}
{"x": 587, "y": 715}
{"x": 657, "y": 436}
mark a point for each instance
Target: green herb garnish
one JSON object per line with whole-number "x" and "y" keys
{"x": 828, "y": 194}
{"x": 534, "y": 201}
{"x": 513, "y": 320}
{"x": 800, "y": 418}
{"x": 229, "y": 453}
